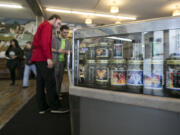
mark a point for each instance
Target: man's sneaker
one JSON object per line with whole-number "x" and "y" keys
{"x": 24, "y": 87}
{"x": 43, "y": 111}
{"x": 60, "y": 110}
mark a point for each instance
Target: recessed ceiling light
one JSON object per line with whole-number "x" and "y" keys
{"x": 117, "y": 22}
{"x": 176, "y": 12}
{"x": 10, "y": 6}
{"x": 88, "y": 21}
{"x": 114, "y": 9}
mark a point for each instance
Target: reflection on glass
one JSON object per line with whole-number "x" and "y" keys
{"x": 153, "y": 63}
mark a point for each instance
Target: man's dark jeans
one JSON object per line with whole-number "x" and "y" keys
{"x": 46, "y": 80}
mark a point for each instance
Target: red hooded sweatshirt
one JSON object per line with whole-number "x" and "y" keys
{"x": 42, "y": 43}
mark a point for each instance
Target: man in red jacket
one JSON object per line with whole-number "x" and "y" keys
{"x": 42, "y": 57}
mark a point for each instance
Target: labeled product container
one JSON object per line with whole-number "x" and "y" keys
{"x": 153, "y": 77}
{"x": 173, "y": 76}
{"x": 174, "y": 43}
{"x": 102, "y": 73}
{"x": 135, "y": 75}
{"x": 137, "y": 49}
{"x": 157, "y": 48}
{"x": 118, "y": 50}
{"x": 118, "y": 74}
{"x": 90, "y": 54}
{"x": 102, "y": 50}
{"x": 90, "y": 71}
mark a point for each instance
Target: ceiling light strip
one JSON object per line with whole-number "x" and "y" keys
{"x": 122, "y": 39}
{"x": 83, "y": 13}
{"x": 58, "y": 10}
{"x": 10, "y": 6}
{"x": 90, "y": 14}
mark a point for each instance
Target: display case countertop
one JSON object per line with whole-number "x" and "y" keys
{"x": 162, "y": 103}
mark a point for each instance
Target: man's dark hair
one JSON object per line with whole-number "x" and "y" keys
{"x": 29, "y": 42}
{"x": 64, "y": 27}
{"x": 54, "y": 16}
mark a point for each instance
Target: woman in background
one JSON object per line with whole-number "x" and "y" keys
{"x": 28, "y": 65}
{"x": 13, "y": 54}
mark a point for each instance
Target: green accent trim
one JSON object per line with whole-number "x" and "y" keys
{"x": 157, "y": 62}
{"x": 102, "y": 61}
{"x": 91, "y": 45}
{"x": 173, "y": 62}
{"x": 102, "y": 44}
{"x": 90, "y": 61}
{"x": 119, "y": 61}
{"x": 140, "y": 62}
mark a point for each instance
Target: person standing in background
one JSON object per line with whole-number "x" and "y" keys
{"x": 60, "y": 48}
{"x": 28, "y": 65}
{"x": 20, "y": 65}
{"x": 13, "y": 54}
{"x": 42, "y": 57}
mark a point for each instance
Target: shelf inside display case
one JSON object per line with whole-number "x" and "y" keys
{"x": 140, "y": 57}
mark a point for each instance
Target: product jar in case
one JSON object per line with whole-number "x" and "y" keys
{"x": 118, "y": 50}
{"x": 118, "y": 74}
{"x": 102, "y": 50}
{"x": 135, "y": 75}
{"x": 90, "y": 54}
{"x": 153, "y": 77}
{"x": 173, "y": 76}
{"x": 90, "y": 73}
{"x": 102, "y": 73}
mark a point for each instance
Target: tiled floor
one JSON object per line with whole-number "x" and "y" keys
{"x": 13, "y": 98}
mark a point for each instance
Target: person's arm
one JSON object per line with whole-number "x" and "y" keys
{"x": 46, "y": 41}
{"x": 62, "y": 51}
{"x": 7, "y": 52}
{"x": 20, "y": 53}
{"x": 46, "y": 44}
{"x": 54, "y": 50}
{"x": 67, "y": 48}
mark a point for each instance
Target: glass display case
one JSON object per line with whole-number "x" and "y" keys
{"x": 139, "y": 57}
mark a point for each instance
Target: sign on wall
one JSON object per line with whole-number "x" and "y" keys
{"x": 20, "y": 29}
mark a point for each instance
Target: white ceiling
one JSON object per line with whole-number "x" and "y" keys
{"x": 142, "y": 9}
{"x": 25, "y": 12}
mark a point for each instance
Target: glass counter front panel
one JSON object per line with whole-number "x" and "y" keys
{"x": 147, "y": 62}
